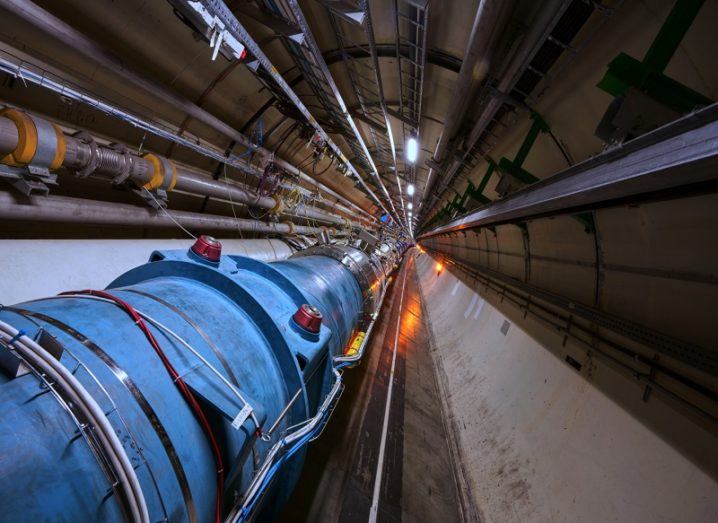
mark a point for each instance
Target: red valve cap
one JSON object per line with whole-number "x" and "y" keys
{"x": 208, "y": 248}
{"x": 309, "y": 318}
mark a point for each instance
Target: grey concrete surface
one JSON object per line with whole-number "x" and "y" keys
{"x": 419, "y": 478}
{"x": 541, "y": 440}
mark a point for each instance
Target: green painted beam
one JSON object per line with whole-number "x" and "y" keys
{"x": 625, "y": 71}
{"x": 507, "y": 166}
{"x": 538, "y": 126}
{"x": 672, "y": 31}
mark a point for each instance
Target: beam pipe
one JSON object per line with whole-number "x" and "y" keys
{"x": 63, "y": 209}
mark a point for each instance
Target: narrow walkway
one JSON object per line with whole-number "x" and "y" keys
{"x": 384, "y": 455}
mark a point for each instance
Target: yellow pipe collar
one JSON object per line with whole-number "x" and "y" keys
{"x": 26, "y": 138}
{"x": 158, "y": 175}
{"x": 61, "y": 148}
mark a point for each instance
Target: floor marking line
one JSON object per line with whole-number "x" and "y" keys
{"x": 478, "y": 309}
{"x": 456, "y": 287}
{"x": 471, "y": 306}
{"x": 373, "y": 512}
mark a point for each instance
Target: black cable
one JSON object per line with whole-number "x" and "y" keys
{"x": 325, "y": 170}
{"x": 561, "y": 148}
{"x": 286, "y": 135}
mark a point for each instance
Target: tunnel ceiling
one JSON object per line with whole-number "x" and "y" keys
{"x": 468, "y": 79}
{"x": 155, "y": 40}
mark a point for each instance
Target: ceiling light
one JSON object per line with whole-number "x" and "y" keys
{"x": 412, "y": 150}
{"x": 410, "y": 205}
{"x": 410, "y": 189}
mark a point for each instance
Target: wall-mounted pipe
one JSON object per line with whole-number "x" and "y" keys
{"x": 69, "y": 36}
{"x": 477, "y": 58}
{"x": 64, "y": 209}
{"x": 8, "y": 136}
{"x": 84, "y": 154}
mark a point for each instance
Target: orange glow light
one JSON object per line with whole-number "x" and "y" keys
{"x": 439, "y": 267}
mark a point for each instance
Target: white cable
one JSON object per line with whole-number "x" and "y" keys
{"x": 203, "y": 360}
{"x": 164, "y": 210}
{"x": 38, "y": 357}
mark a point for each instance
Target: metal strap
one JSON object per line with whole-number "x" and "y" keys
{"x": 46, "y": 143}
{"x": 217, "y": 352}
{"x": 132, "y": 388}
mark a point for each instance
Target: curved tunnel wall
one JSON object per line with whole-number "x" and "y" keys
{"x": 639, "y": 287}
{"x": 542, "y": 440}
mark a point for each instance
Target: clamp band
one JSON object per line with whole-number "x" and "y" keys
{"x": 161, "y": 167}
{"x": 94, "y": 154}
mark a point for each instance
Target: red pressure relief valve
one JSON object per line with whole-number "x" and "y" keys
{"x": 208, "y": 248}
{"x": 309, "y": 318}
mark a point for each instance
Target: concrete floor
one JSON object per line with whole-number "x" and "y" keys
{"x": 418, "y": 478}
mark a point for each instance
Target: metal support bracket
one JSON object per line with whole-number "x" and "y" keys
{"x": 28, "y": 179}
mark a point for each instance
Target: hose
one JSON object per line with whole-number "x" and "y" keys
{"x": 42, "y": 360}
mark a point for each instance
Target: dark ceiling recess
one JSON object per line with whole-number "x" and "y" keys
{"x": 573, "y": 19}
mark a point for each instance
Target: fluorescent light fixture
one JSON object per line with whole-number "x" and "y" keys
{"x": 412, "y": 150}
{"x": 410, "y": 206}
{"x": 410, "y": 189}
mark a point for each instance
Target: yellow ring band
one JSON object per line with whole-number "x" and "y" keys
{"x": 26, "y": 138}
{"x": 157, "y": 172}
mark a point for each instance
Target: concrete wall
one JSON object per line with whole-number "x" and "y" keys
{"x": 542, "y": 441}
{"x": 37, "y": 268}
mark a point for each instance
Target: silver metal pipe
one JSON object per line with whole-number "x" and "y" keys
{"x": 8, "y": 136}
{"x": 64, "y": 33}
{"x": 549, "y": 15}
{"x": 474, "y": 67}
{"x": 197, "y": 184}
{"x": 111, "y": 163}
{"x": 64, "y": 209}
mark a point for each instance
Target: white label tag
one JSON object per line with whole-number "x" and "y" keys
{"x": 242, "y": 416}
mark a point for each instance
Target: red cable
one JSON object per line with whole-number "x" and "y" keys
{"x": 181, "y": 385}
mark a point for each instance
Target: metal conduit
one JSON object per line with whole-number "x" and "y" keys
{"x": 64, "y": 209}
{"x": 112, "y": 162}
{"x": 8, "y": 136}
{"x": 66, "y": 34}
{"x": 477, "y": 58}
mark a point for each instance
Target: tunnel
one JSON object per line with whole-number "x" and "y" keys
{"x": 358, "y": 261}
